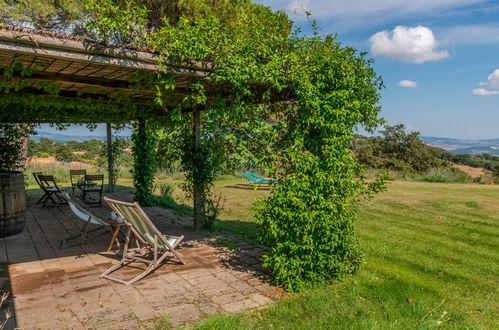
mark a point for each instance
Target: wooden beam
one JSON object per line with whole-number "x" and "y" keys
{"x": 110, "y": 157}
{"x": 197, "y": 192}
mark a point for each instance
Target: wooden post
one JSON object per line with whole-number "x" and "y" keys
{"x": 110, "y": 157}
{"x": 197, "y": 193}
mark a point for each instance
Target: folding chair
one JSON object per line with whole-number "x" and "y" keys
{"x": 93, "y": 184}
{"x": 154, "y": 247}
{"x": 77, "y": 178}
{"x": 91, "y": 218}
{"x": 51, "y": 190}
{"x": 38, "y": 181}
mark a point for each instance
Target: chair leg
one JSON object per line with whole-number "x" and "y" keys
{"x": 49, "y": 197}
{"x": 148, "y": 270}
{"x": 41, "y": 199}
{"x": 84, "y": 237}
{"x": 114, "y": 238}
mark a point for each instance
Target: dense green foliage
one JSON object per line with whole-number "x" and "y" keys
{"x": 404, "y": 155}
{"x": 12, "y": 140}
{"x": 121, "y": 157}
{"x": 485, "y": 160}
{"x": 64, "y": 153}
{"x": 52, "y": 15}
{"x": 90, "y": 151}
{"x": 308, "y": 219}
{"x": 144, "y": 165}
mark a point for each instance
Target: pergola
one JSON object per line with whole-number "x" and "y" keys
{"x": 85, "y": 70}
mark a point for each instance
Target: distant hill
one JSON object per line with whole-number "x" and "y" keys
{"x": 472, "y": 147}
{"x": 66, "y": 137}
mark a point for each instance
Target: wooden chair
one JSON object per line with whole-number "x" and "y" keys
{"x": 52, "y": 191}
{"x": 93, "y": 184}
{"x": 77, "y": 178}
{"x": 154, "y": 247}
{"x": 38, "y": 181}
{"x": 90, "y": 218}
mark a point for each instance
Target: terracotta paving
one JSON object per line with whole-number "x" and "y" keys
{"x": 54, "y": 288}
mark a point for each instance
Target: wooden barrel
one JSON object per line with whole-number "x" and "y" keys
{"x": 12, "y": 203}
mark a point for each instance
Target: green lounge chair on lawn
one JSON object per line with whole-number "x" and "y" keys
{"x": 254, "y": 180}
{"x": 261, "y": 178}
{"x": 154, "y": 247}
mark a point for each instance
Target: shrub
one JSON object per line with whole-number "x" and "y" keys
{"x": 487, "y": 178}
{"x": 165, "y": 189}
{"x": 63, "y": 153}
{"x": 43, "y": 154}
{"x": 444, "y": 175}
{"x": 308, "y": 223}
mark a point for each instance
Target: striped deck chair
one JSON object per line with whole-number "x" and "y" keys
{"x": 154, "y": 247}
{"x": 90, "y": 218}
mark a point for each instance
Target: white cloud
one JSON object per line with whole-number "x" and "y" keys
{"x": 492, "y": 82}
{"x": 408, "y": 44}
{"x": 408, "y": 83}
{"x": 483, "y": 92}
{"x": 493, "y": 79}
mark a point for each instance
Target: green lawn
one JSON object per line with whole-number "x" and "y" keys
{"x": 431, "y": 260}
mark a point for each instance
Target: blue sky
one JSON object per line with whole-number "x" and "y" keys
{"x": 443, "y": 50}
{"x": 438, "y": 58}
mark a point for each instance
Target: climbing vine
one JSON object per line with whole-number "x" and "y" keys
{"x": 144, "y": 166}
{"x": 51, "y": 106}
{"x": 308, "y": 218}
{"x": 316, "y": 92}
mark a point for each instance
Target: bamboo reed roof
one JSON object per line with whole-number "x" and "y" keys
{"x": 77, "y": 64}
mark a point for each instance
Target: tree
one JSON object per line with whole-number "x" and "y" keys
{"x": 51, "y": 15}
{"x": 399, "y": 151}
{"x": 63, "y": 153}
{"x": 48, "y": 146}
{"x": 495, "y": 172}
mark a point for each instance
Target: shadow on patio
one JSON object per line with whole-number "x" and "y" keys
{"x": 60, "y": 288}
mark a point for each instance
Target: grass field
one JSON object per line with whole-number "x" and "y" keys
{"x": 431, "y": 260}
